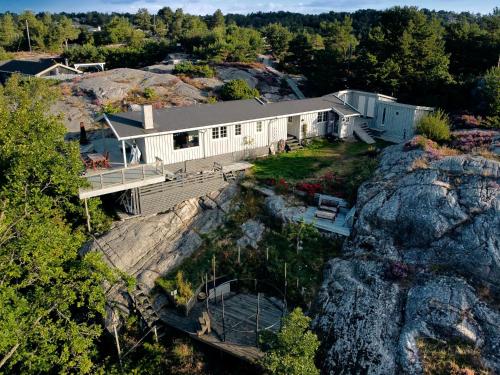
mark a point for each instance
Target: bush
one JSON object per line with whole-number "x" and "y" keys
{"x": 238, "y": 89}
{"x": 183, "y": 287}
{"x": 435, "y": 126}
{"x": 149, "y": 93}
{"x": 192, "y": 70}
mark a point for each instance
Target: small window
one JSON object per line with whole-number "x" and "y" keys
{"x": 215, "y": 133}
{"x": 397, "y": 113}
{"x": 290, "y": 120}
{"x": 383, "y": 117}
{"x": 186, "y": 140}
{"x": 237, "y": 129}
{"x": 223, "y": 131}
{"x": 322, "y": 116}
{"x": 259, "y": 126}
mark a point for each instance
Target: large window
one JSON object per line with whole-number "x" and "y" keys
{"x": 237, "y": 129}
{"x": 219, "y": 132}
{"x": 322, "y": 116}
{"x": 186, "y": 140}
{"x": 259, "y": 126}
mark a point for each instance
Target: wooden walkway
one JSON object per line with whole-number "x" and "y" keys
{"x": 240, "y": 311}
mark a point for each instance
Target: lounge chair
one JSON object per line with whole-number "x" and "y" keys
{"x": 325, "y": 215}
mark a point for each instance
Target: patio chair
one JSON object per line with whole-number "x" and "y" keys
{"x": 86, "y": 162}
{"x": 106, "y": 163}
{"x": 325, "y": 215}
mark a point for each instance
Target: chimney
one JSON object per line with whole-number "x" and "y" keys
{"x": 147, "y": 117}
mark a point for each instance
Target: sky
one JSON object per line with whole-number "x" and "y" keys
{"x": 203, "y": 7}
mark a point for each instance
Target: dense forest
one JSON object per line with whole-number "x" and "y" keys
{"x": 420, "y": 56}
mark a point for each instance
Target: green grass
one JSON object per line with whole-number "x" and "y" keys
{"x": 313, "y": 161}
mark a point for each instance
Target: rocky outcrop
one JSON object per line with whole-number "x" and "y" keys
{"x": 253, "y": 231}
{"x": 148, "y": 247}
{"x": 426, "y": 241}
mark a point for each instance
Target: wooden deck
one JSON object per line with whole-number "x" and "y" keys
{"x": 240, "y": 319}
{"x": 114, "y": 180}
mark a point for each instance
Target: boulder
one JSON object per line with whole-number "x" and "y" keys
{"x": 253, "y": 231}
{"x": 425, "y": 241}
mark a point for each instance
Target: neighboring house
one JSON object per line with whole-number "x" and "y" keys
{"x": 386, "y": 118}
{"x": 36, "y": 68}
{"x": 177, "y": 58}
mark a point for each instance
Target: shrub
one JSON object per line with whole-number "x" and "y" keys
{"x": 194, "y": 70}
{"x": 238, "y": 89}
{"x": 293, "y": 349}
{"x": 183, "y": 287}
{"x": 309, "y": 188}
{"x": 282, "y": 187}
{"x": 149, "y": 93}
{"x": 435, "y": 126}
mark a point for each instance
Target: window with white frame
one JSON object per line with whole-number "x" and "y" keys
{"x": 215, "y": 133}
{"x": 237, "y": 129}
{"x": 219, "y": 132}
{"x": 322, "y": 116}
{"x": 259, "y": 126}
{"x": 290, "y": 120}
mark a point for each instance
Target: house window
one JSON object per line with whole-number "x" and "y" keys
{"x": 259, "y": 126}
{"x": 237, "y": 129}
{"x": 215, "y": 133}
{"x": 290, "y": 120}
{"x": 186, "y": 140}
{"x": 322, "y": 116}
{"x": 383, "y": 116}
{"x": 220, "y": 132}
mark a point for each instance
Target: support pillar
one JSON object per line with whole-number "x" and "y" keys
{"x": 87, "y": 214}
{"x": 124, "y": 154}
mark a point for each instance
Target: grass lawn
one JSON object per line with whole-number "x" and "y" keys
{"x": 315, "y": 160}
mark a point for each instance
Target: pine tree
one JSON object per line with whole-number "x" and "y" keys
{"x": 9, "y": 34}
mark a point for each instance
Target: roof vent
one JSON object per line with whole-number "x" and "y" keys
{"x": 147, "y": 117}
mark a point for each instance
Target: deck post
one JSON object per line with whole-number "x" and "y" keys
{"x": 223, "y": 319}
{"x": 213, "y": 268}
{"x": 87, "y": 213}
{"x": 123, "y": 176}
{"x": 117, "y": 345}
{"x": 284, "y": 294}
{"x": 124, "y": 154}
{"x": 257, "y": 320}
{"x": 206, "y": 289}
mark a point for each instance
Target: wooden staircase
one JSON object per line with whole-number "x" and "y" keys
{"x": 146, "y": 310}
{"x": 293, "y": 143}
{"x": 364, "y": 133}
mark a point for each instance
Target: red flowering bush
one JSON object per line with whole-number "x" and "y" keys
{"x": 309, "y": 188}
{"x": 282, "y": 186}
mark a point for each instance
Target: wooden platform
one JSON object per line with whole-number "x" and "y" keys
{"x": 338, "y": 225}
{"x": 240, "y": 312}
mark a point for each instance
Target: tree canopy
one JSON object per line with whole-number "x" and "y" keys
{"x": 294, "y": 347}
{"x": 51, "y": 300}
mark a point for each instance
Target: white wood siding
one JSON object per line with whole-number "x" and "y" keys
{"x": 162, "y": 146}
{"x": 314, "y": 128}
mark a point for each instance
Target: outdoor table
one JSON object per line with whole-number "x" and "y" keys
{"x": 97, "y": 160}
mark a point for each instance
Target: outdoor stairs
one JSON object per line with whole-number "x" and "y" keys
{"x": 146, "y": 310}
{"x": 293, "y": 143}
{"x": 364, "y": 133}
{"x": 230, "y": 176}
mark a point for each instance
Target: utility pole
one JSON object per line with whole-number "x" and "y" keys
{"x": 28, "y": 34}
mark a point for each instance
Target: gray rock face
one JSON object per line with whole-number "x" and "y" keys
{"x": 425, "y": 240}
{"x": 276, "y": 206}
{"x": 148, "y": 247}
{"x": 252, "y": 234}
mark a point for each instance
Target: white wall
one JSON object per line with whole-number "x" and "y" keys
{"x": 314, "y": 128}
{"x": 162, "y": 146}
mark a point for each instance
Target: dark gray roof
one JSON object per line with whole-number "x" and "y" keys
{"x": 128, "y": 124}
{"x": 28, "y": 67}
